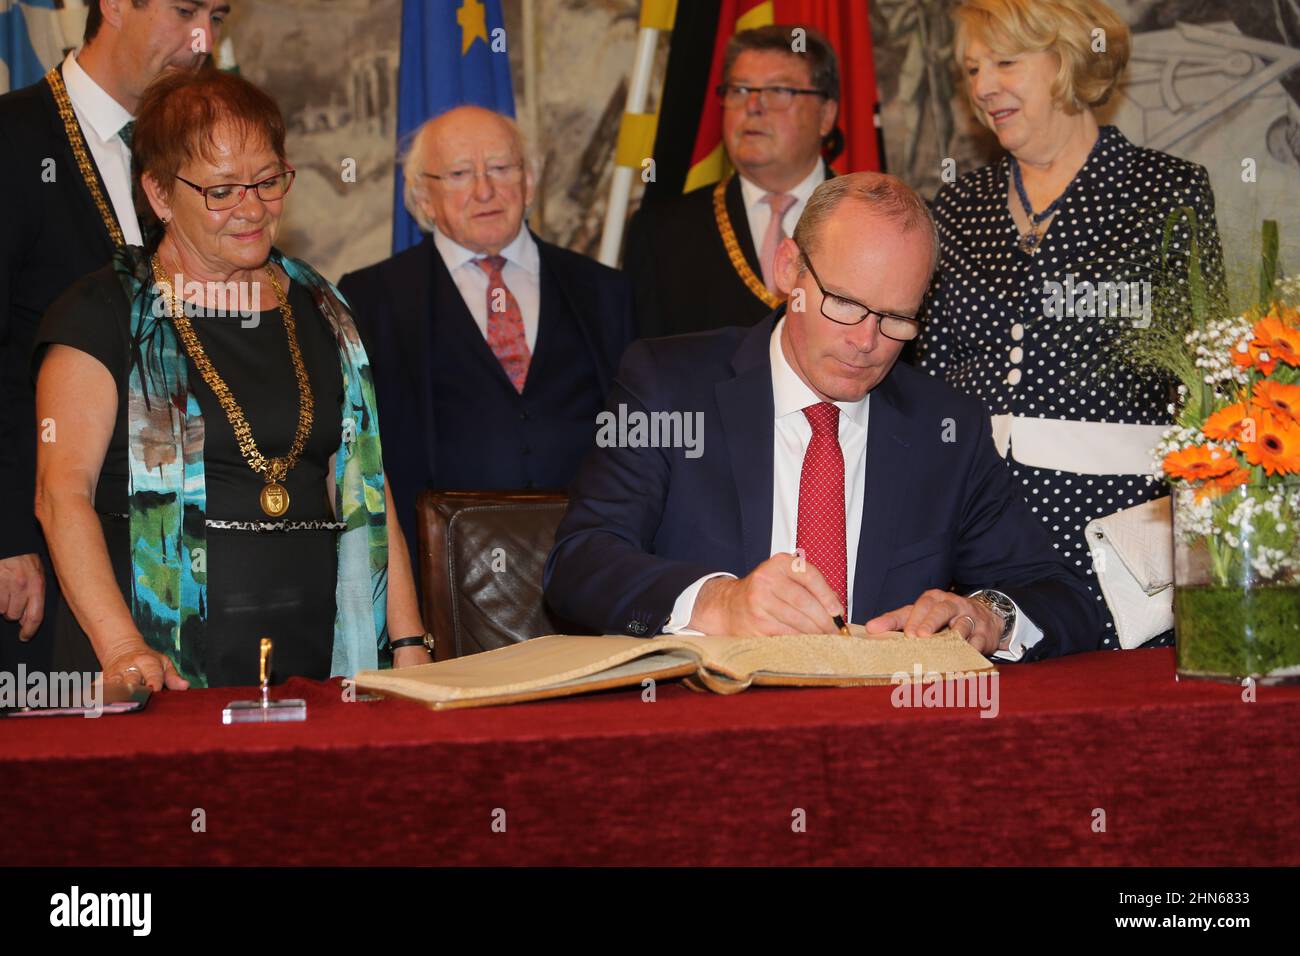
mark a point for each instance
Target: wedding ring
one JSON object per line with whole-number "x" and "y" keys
{"x": 968, "y": 636}
{"x": 132, "y": 668}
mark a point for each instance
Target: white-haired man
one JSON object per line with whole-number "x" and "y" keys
{"x": 492, "y": 349}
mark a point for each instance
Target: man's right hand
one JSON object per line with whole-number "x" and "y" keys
{"x": 783, "y": 595}
{"x": 22, "y": 592}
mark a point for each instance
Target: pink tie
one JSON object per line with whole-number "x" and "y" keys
{"x": 820, "y": 530}
{"x": 505, "y": 323}
{"x": 780, "y": 203}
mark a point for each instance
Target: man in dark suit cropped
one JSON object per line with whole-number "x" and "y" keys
{"x": 694, "y": 267}
{"x": 492, "y": 350}
{"x": 62, "y": 219}
{"x": 818, "y": 477}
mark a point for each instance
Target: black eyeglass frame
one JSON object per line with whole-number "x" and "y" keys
{"x": 794, "y": 91}
{"x": 866, "y": 309}
{"x": 243, "y": 189}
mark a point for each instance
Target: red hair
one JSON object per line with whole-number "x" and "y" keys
{"x": 178, "y": 114}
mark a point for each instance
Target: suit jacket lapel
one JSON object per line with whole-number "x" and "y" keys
{"x": 740, "y": 224}
{"x": 887, "y": 467}
{"x": 553, "y": 280}
{"x": 82, "y": 190}
{"x": 747, "y": 413}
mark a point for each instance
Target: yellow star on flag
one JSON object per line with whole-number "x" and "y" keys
{"x": 472, "y": 17}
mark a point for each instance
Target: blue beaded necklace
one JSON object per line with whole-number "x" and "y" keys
{"x": 1031, "y": 240}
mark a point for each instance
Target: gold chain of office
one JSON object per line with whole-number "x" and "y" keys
{"x": 82, "y": 155}
{"x": 275, "y": 497}
{"x": 732, "y": 244}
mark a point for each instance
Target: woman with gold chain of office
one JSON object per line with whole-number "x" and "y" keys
{"x": 214, "y": 474}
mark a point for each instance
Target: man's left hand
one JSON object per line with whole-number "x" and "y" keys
{"x": 936, "y": 610}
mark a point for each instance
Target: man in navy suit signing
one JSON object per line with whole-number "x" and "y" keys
{"x": 818, "y": 476}
{"x": 492, "y": 350}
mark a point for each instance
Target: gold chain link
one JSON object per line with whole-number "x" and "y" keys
{"x": 273, "y": 469}
{"x": 732, "y": 245}
{"x": 73, "y": 129}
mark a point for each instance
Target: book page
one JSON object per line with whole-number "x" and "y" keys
{"x": 860, "y": 655}
{"x": 542, "y": 662}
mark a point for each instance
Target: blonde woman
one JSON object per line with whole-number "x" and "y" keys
{"x": 1049, "y": 253}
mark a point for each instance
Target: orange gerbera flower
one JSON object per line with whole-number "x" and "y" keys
{"x": 1225, "y": 424}
{"x": 1198, "y": 463}
{"x": 1281, "y": 340}
{"x": 1283, "y": 400}
{"x": 1214, "y": 487}
{"x": 1254, "y": 354}
{"x": 1276, "y": 446}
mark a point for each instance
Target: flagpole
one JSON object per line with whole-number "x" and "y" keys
{"x": 636, "y": 133}
{"x": 531, "y": 94}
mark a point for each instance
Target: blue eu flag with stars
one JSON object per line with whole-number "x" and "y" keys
{"x": 453, "y": 53}
{"x": 19, "y": 64}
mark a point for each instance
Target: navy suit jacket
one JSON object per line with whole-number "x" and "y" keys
{"x": 394, "y": 302}
{"x": 940, "y": 509}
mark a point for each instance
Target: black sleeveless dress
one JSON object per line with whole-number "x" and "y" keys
{"x": 270, "y": 584}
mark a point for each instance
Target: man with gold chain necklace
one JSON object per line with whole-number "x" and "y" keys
{"x": 703, "y": 260}
{"x": 65, "y": 188}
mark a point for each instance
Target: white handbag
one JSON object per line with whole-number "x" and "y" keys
{"x": 1133, "y": 558}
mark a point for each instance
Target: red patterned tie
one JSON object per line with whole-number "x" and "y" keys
{"x": 820, "y": 530}
{"x": 505, "y": 323}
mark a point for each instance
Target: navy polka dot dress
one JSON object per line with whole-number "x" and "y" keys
{"x": 994, "y": 329}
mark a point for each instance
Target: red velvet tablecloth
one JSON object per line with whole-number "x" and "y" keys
{"x": 1178, "y": 773}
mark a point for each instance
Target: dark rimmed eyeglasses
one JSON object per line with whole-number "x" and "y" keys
{"x": 900, "y": 328}
{"x": 229, "y": 195}
{"x": 734, "y": 95}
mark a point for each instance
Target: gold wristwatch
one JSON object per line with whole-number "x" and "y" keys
{"x": 424, "y": 640}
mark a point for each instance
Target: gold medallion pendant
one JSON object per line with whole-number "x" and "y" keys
{"x": 275, "y": 496}
{"x": 275, "y": 499}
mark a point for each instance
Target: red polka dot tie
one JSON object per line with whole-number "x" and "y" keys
{"x": 505, "y": 323}
{"x": 820, "y": 531}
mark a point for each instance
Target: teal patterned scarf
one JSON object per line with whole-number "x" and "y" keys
{"x": 167, "y": 496}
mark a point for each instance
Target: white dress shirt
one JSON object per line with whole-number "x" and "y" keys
{"x": 101, "y": 119}
{"x": 521, "y": 274}
{"x": 791, "y": 435}
{"x": 759, "y": 213}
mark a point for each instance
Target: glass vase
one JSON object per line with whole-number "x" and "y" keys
{"x": 1237, "y": 582}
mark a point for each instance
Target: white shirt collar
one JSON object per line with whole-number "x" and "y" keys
{"x": 105, "y": 115}
{"x": 791, "y": 395}
{"x": 522, "y": 251}
{"x": 753, "y": 194}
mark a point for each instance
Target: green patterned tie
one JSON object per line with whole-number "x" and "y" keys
{"x": 126, "y": 132}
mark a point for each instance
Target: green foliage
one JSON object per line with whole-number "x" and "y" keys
{"x": 1237, "y": 632}
{"x": 1268, "y": 265}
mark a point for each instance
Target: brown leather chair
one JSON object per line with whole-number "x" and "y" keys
{"x": 481, "y": 560}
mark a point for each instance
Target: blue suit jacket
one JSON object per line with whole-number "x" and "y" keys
{"x": 939, "y": 511}
{"x": 395, "y": 302}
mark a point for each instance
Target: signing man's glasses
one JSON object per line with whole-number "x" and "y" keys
{"x": 837, "y": 308}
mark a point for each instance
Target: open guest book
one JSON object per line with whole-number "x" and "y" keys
{"x": 561, "y": 666}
